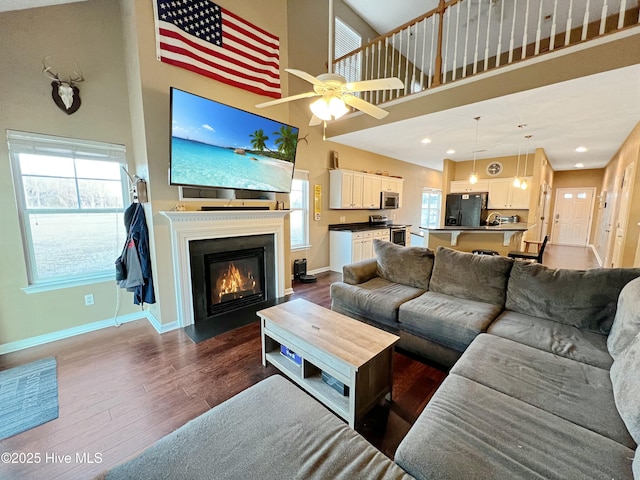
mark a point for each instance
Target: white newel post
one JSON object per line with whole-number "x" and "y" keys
{"x": 188, "y": 226}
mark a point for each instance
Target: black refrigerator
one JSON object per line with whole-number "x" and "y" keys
{"x": 466, "y": 209}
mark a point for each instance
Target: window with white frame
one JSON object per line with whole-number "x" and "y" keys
{"x": 70, "y": 195}
{"x": 430, "y": 215}
{"x": 299, "y": 206}
{"x": 347, "y": 40}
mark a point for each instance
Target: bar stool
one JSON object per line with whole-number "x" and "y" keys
{"x": 536, "y": 257}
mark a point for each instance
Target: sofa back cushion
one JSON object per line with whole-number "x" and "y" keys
{"x": 625, "y": 378}
{"x": 626, "y": 325}
{"x": 585, "y": 299}
{"x": 407, "y": 265}
{"x": 482, "y": 278}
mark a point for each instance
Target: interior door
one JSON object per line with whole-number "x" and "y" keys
{"x": 572, "y": 216}
{"x": 623, "y": 216}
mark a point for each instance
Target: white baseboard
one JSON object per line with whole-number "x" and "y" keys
{"x": 160, "y": 328}
{"x": 316, "y": 271}
{"x": 288, "y": 291}
{"x": 595, "y": 252}
{"x": 89, "y": 327}
{"x": 319, "y": 270}
{"x": 68, "y": 332}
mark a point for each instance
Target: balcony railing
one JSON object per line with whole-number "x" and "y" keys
{"x": 460, "y": 38}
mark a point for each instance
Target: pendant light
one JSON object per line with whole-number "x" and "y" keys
{"x": 473, "y": 178}
{"x": 524, "y": 185}
{"x": 516, "y": 180}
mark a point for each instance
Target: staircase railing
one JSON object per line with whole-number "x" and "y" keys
{"x": 460, "y": 38}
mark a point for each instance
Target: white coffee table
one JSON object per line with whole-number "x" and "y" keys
{"x": 358, "y": 355}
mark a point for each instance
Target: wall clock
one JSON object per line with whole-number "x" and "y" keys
{"x": 494, "y": 168}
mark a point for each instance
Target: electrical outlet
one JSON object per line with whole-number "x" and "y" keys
{"x": 342, "y": 219}
{"x": 88, "y": 299}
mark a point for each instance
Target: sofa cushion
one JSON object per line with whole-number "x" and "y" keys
{"x": 468, "y": 430}
{"x": 579, "y": 393}
{"x": 627, "y": 323}
{"x": 272, "y": 430}
{"x": 481, "y": 278}
{"x": 449, "y": 321}
{"x": 407, "y": 265}
{"x": 585, "y": 299}
{"x": 558, "y": 338}
{"x": 625, "y": 376}
{"x": 378, "y": 299}
{"x": 360, "y": 272}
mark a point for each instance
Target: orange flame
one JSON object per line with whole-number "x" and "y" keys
{"x": 233, "y": 281}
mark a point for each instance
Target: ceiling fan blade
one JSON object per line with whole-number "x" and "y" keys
{"x": 391, "y": 83}
{"x": 315, "y": 121}
{"x": 364, "y": 106}
{"x": 286, "y": 99}
{"x": 305, "y": 76}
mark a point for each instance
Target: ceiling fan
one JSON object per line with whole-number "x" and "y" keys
{"x": 335, "y": 91}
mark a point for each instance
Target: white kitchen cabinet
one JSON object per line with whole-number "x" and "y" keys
{"x": 347, "y": 247}
{"x": 346, "y": 189}
{"x": 371, "y": 191}
{"x": 502, "y": 194}
{"x": 463, "y": 186}
{"x": 351, "y": 190}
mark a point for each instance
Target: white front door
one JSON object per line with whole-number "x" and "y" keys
{"x": 623, "y": 216}
{"x": 572, "y": 216}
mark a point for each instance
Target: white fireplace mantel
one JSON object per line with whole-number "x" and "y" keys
{"x": 189, "y": 226}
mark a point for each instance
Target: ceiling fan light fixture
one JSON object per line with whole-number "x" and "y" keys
{"x": 328, "y": 108}
{"x": 337, "y": 107}
{"x": 320, "y": 109}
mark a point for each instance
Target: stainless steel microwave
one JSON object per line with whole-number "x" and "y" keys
{"x": 389, "y": 200}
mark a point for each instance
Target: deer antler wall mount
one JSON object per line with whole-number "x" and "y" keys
{"x": 65, "y": 93}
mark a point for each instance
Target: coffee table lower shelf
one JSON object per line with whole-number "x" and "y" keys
{"x": 308, "y": 376}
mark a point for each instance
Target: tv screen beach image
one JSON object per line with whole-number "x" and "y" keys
{"x": 216, "y": 145}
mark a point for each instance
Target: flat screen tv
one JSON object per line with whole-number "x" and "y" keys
{"x": 218, "y": 146}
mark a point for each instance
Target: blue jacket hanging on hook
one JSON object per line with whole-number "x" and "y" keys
{"x": 137, "y": 232}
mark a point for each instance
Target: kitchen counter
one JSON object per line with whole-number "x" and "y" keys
{"x": 509, "y": 235}
{"x": 504, "y": 227}
{"x": 359, "y": 227}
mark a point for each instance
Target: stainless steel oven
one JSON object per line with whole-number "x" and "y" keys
{"x": 398, "y": 234}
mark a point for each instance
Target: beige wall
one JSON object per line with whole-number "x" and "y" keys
{"x": 607, "y": 217}
{"x": 461, "y": 170}
{"x": 95, "y": 43}
{"x": 308, "y": 52}
{"x": 150, "y": 81}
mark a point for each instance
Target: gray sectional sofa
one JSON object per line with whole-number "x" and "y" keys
{"x": 545, "y": 377}
{"x": 546, "y": 383}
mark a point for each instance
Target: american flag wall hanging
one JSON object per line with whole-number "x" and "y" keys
{"x": 203, "y": 37}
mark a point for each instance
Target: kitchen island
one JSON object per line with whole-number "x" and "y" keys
{"x": 501, "y": 238}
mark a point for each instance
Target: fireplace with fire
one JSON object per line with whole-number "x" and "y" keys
{"x": 229, "y": 275}
{"x": 234, "y": 279}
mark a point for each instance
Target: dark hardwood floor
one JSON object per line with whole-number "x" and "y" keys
{"x": 121, "y": 389}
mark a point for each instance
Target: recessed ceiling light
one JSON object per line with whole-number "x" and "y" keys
{"x": 579, "y": 165}
{"x": 581, "y": 149}
{"x": 426, "y": 140}
{"x": 451, "y": 151}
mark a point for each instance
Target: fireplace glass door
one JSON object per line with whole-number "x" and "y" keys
{"x": 234, "y": 279}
